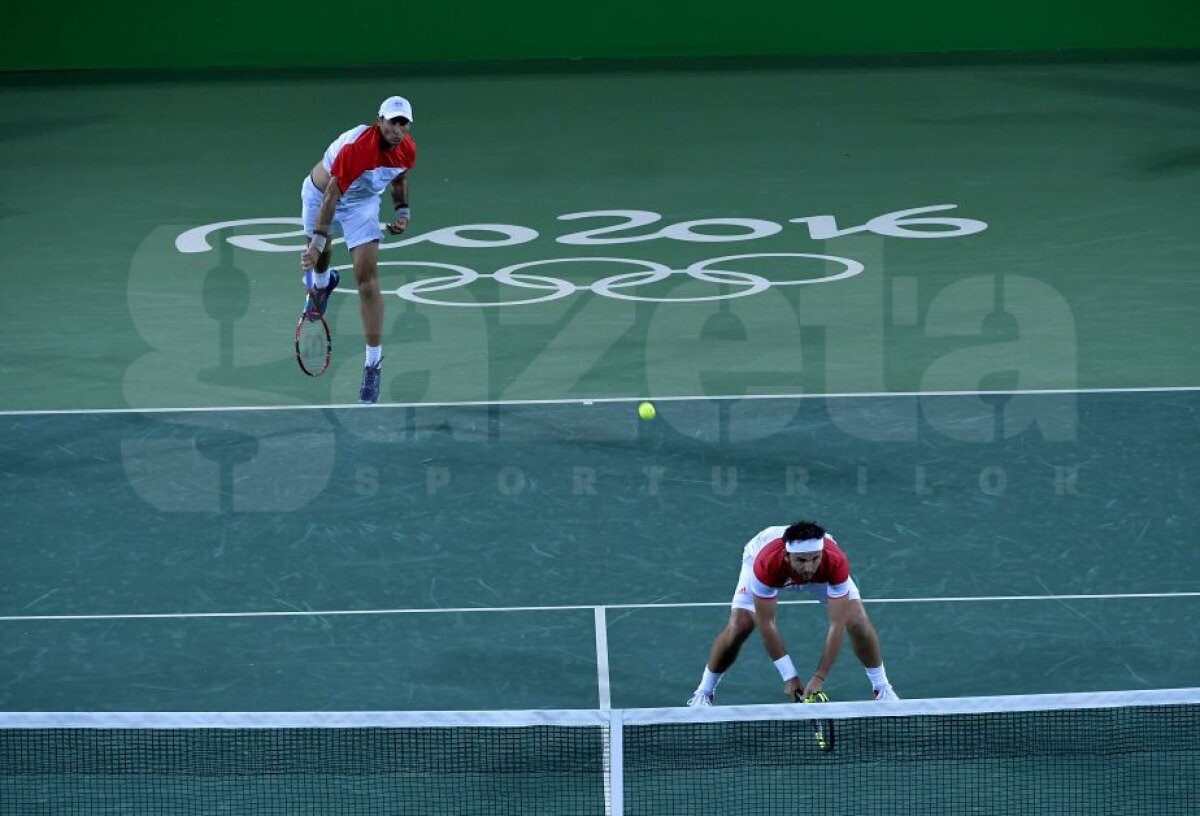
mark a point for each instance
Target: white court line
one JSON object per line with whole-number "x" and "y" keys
{"x": 1022, "y": 392}
{"x": 291, "y": 613}
{"x": 602, "y": 659}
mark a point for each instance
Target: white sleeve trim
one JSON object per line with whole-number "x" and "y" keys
{"x": 760, "y": 589}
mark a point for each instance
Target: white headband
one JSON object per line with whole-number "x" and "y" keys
{"x": 809, "y": 545}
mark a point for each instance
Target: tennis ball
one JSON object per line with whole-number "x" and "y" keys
{"x": 646, "y": 410}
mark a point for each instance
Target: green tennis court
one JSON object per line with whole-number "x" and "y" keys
{"x": 947, "y": 310}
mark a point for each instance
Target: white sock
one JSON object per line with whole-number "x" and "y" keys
{"x": 878, "y": 676}
{"x": 710, "y": 681}
{"x": 373, "y": 354}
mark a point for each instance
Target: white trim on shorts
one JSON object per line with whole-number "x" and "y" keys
{"x": 357, "y": 220}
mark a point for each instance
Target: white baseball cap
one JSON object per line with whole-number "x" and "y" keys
{"x": 395, "y": 106}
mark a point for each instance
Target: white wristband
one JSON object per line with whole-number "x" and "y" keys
{"x": 786, "y": 670}
{"x": 319, "y": 242}
{"x": 404, "y": 212}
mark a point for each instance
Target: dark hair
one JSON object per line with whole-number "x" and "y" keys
{"x": 803, "y": 531}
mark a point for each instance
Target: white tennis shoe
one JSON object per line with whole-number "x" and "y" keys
{"x": 700, "y": 700}
{"x": 885, "y": 694}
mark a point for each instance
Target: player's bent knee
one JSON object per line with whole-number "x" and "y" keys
{"x": 741, "y": 624}
{"x": 858, "y": 620}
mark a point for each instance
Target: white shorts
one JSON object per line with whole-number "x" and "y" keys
{"x": 357, "y": 220}
{"x": 743, "y": 599}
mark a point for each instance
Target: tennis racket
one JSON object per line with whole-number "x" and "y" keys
{"x": 314, "y": 345}
{"x": 823, "y": 730}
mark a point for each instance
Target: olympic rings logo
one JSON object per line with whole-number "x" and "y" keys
{"x": 618, "y": 287}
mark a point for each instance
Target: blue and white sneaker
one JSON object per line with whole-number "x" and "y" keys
{"x": 369, "y": 393}
{"x": 318, "y": 299}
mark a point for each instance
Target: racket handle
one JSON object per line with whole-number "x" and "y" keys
{"x": 815, "y": 697}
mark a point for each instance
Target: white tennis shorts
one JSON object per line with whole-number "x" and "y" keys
{"x": 743, "y": 599}
{"x": 357, "y": 220}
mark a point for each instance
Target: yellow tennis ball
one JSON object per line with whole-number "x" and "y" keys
{"x": 646, "y": 410}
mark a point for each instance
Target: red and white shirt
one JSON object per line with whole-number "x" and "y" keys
{"x": 365, "y": 164}
{"x": 771, "y": 571}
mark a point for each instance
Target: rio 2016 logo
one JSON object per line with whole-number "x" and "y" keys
{"x": 631, "y": 226}
{"x": 597, "y": 310}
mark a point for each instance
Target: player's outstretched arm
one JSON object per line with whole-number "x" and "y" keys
{"x": 764, "y": 614}
{"x": 333, "y": 194}
{"x": 838, "y": 611}
{"x": 320, "y": 240}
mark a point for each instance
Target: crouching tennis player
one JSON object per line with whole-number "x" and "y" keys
{"x": 800, "y": 557}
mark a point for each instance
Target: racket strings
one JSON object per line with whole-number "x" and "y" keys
{"x": 313, "y": 344}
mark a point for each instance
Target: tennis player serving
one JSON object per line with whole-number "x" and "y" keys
{"x": 800, "y": 557}
{"x": 343, "y": 191}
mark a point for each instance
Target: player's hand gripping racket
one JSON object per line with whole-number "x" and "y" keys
{"x": 823, "y": 730}
{"x": 314, "y": 345}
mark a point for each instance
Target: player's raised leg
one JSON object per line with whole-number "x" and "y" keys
{"x": 319, "y": 283}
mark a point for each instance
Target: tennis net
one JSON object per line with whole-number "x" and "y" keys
{"x": 1118, "y": 753}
